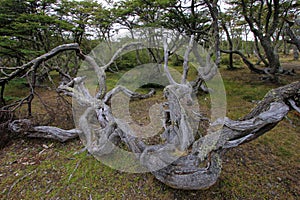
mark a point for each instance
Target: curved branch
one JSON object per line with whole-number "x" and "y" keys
{"x": 185, "y": 173}
{"x": 48, "y": 132}
{"x": 293, "y": 38}
{"x": 119, "y": 51}
{"x": 20, "y": 70}
{"x": 244, "y": 131}
{"x": 246, "y": 61}
{"x": 133, "y": 95}
{"x": 281, "y": 94}
{"x": 293, "y": 104}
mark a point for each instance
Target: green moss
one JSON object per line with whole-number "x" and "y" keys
{"x": 283, "y": 152}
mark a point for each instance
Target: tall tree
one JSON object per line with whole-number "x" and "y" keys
{"x": 25, "y": 28}
{"x": 264, "y": 18}
{"x": 214, "y": 12}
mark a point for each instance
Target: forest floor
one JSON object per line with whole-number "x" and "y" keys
{"x": 267, "y": 168}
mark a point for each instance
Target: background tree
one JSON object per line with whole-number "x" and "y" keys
{"x": 265, "y": 18}
{"x": 291, "y": 29}
{"x": 214, "y": 12}
{"x": 26, "y": 28}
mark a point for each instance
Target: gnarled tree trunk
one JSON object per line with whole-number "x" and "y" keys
{"x": 181, "y": 161}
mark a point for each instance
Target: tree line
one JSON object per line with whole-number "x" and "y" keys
{"x": 31, "y": 27}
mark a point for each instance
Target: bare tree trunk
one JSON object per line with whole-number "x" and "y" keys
{"x": 214, "y": 12}
{"x": 258, "y": 53}
{"x": 285, "y": 45}
{"x": 230, "y": 46}
{"x": 2, "y": 100}
{"x": 272, "y": 57}
{"x": 264, "y": 30}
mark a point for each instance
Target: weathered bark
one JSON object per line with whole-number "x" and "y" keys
{"x": 26, "y": 127}
{"x": 281, "y": 94}
{"x": 185, "y": 172}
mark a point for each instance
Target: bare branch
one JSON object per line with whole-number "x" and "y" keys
{"x": 246, "y": 61}
{"x": 10, "y": 68}
{"x": 121, "y": 50}
{"x": 49, "y": 132}
{"x": 186, "y": 59}
{"x": 247, "y": 130}
{"x": 80, "y": 92}
{"x": 133, "y": 95}
{"x": 54, "y": 133}
{"x": 207, "y": 69}
{"x": 281, "y": 94}
{"x": 293, "y": 104}
{"x": 166, "y": 58}
{"x": 293, "y": 38}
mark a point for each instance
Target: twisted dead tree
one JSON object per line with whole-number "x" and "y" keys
{"x": 185, "y": 159}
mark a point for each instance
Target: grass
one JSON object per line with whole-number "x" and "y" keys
{"x": 267, "y": 168}
{"x": 15, "y": 90}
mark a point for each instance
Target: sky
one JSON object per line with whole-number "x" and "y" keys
{"x": 223, "y": 5}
